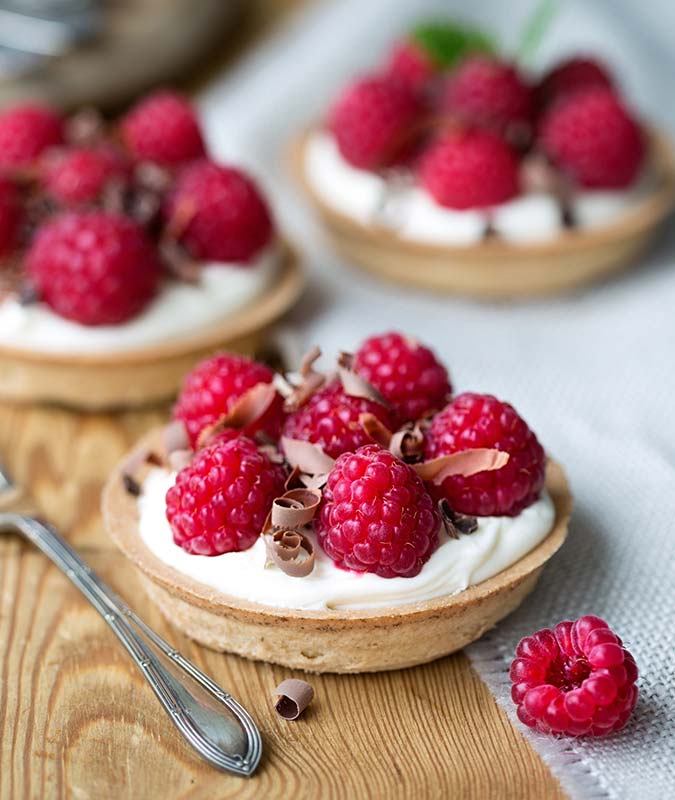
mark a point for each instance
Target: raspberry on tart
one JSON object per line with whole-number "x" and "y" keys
{"x": 93, "y": 267}
{"x": 376, "y": 515}
{"x": 212, "y": 389}
{"x": 219, "y": 502}
{"x": 10, "y": 215}
{"x": 372, "y": 121}
{"x": 406, "y": 373}
{"x": 331, "y": 418}
{"x": 577, "y": 679}
{"x": 469, "y": 169}
{"x": 26, "y": 131}
{"x": 220, "y": 213}
{"x": 593, "y": 139}
{"x": 572, "y": 75}
{"x": 80, "y": 175}
{"x": 477, "y": 420}
{"x": 163, "y": 128}
{"x": 488, "y": 93}
{"x": 410, "y": 64}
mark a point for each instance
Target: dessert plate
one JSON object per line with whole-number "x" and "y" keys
{"x": 496, "y": 269}
{"x": 330, "y": 640}
{"x": 153, "y": 373}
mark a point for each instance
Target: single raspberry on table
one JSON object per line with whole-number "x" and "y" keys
{"x": 212, "y": 389}
{"x": 25, "y": 132}
{"x": 221, "y": 499}
{"x": 406, "y": 373}
{"x": 469, "y": 169}
{"x": 372, "y": 121}
{"x": 480, "y": 420}
{"x": 220, "y": 213}
{"x": 10, "y": 215}
{"x": 93, "y": 267}
{"x": 163, "y": 128}
{"x": 376, "y": 515}
{"x": 592, "y": 137}
{"x": 330, "y": 419}
{"x": 576, "y": 679}
{"x": 80, "y": 175}
{"x": 488, "y": 93}
{"x": 570, "y": 76}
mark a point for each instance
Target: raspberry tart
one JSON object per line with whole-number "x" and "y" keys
{"x": 126, "y": 254}
{"x": 452, "y": 168}
{"x": 354, "y": 520}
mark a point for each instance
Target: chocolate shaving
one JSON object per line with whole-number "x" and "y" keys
{"x": 27, "y": 294}
{"x": 297, "y": 394}
{"x": 466, "y": 463}
{"x": 308, "y": 457}
{"x": 181, "y": 218}
{"x": 354, "y": 384}
{"x": 408, "y": 443}
{"x": 248, "y": 408}
{"x": 151, "y": 176}
{"x": 285, "y": 548}
{"x": 85, "y": 128}
{"x": 294, "y": 697}
{"x": 454, "y": 522}
{"x": 131, "y": 485}
{"x": 178, "y": 261}
{"x": 175, "y": 437}
{"x": 114, "y": 196}
{"x": 377, "y": 430}
{"x": 295, "y": 509}
{"x": 179, "y": 459}
{"x": 272, "y": 453}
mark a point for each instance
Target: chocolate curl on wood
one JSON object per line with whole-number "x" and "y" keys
{"x": 354, "y": 384}
{"x": 294, "y": 697}
{"x": 454, "y": 522}
{"x": 466, "y": 463}
{"x": 248, "y": 408}
{"x": 377, "y": 430}
{"x": 310, "y": 381}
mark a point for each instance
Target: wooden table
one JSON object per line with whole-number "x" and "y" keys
{"x": 77, "y": 719}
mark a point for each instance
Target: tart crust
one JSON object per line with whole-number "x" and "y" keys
{"x": 117, "y": 380}
{"x": 494, "y": 268}
{"x": 369, "y": 640}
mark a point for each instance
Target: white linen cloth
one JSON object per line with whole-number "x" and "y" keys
{"x": 593, "y": 373}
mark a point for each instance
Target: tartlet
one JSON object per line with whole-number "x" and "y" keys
{"x": 331, "y": 641}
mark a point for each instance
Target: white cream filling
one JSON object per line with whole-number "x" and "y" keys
{"x": 177, "y": 310}
{"x": 455, "y": 565}
{"x": 410, "y": 211}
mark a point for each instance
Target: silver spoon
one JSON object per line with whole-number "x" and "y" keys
{"x": 211, "y": 720}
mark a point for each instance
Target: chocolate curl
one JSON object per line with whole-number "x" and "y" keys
{"x": 181, "y": 218}
{"x": 466, "y": 463}
{"x": 284, "y": 549}
{"x": 354, "y": 384}
{"x": 454, "y": 522}
{"x": 178, "y": 262}
{"x": 179, "y": 459}
{"x": 85, "y": 128}
{"x": 308, "y": 457}
{"x": 295, "y": 509}
{"x": 294, "y": 697}
{"x": 248, "y": 408}
{"x": 132, "y": 467}
{"x": 175, "y": 437}
{"x": 377, "y": 430}
{"x": 310, "y": 381}
{"x": 408, "y": 443}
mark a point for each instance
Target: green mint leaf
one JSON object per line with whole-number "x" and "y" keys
{"x": 446, "y": 43}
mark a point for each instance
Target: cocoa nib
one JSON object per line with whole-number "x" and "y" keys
{"x": 454, "y": 522}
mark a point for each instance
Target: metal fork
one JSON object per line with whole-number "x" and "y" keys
{"x": 211, "y": 720}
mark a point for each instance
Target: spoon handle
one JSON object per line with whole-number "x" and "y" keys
{"x": 212, "y": 721}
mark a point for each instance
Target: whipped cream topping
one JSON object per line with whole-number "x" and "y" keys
{"x": 455, "y": 565}
{"x": 177, "y": 310}
{"x": 368, "y": 199}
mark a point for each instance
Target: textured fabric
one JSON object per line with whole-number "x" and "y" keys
{"x": 593, "y": 373}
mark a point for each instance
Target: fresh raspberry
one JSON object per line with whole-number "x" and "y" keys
{"x": 593, "y": 138}
{"x": 10, "y": 215}
{"x": 480, "y": 420}
{"x": 330, "y": 418}
{"x": 571, "y": 76}
{"x": 226, "y": 217}
{"x": 213, "y": 387}
{"x": 80, "y": 175}
{"x": 93, "y": 267}
{"x": 410, "y": 64}
{"x": 163, "y": 128}
{"x": 376, "y": 515}
{"x": 488, "y": 93}
{"x": 469, "y": 169}
{"x": 577, "y": 679}
{"x": 25, "y": 132}
{"x": 372, "y": 121}
{"x": 406, "y": 374}
{"x": 221, "y": 499}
